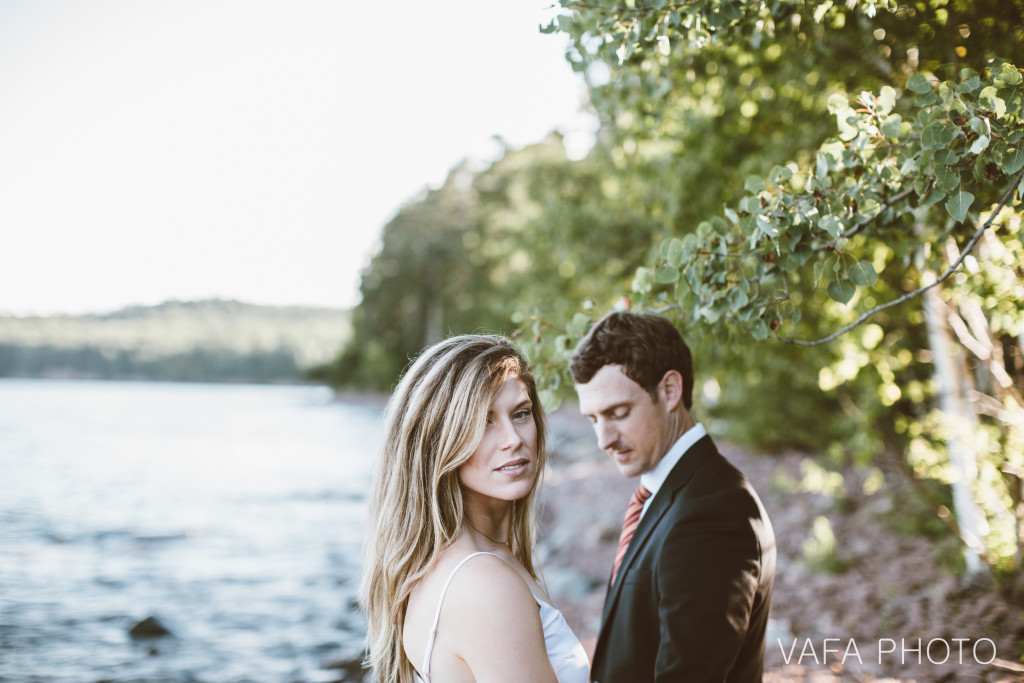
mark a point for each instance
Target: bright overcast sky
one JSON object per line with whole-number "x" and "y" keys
{"x": 186, "y": 149}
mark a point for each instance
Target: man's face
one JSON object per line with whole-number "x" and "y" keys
{"x": 633, "y": 428}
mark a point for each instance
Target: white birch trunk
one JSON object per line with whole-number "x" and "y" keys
{"x": 950, "y": 375}
{"x": 434, "y": 330}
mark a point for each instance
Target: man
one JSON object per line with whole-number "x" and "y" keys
{"x": 689, "y": 596}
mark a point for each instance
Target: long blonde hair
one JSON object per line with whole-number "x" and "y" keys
{"x": 433, "y": 423}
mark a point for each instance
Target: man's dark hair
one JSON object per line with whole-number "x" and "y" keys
{"x": 644, "y": 344}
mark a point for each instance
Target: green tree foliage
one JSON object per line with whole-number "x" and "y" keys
{"x": 430, "y": 277}
{"x": 490, "y": 250}
{"x": 809, "y": 172}
{"x": 819, "y": 170}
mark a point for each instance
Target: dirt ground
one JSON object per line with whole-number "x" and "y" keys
{"x": 889, "y": 610}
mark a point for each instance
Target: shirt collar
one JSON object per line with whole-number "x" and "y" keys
{"x": 653, "y": 480}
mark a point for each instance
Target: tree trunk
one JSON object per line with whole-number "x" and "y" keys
{"x": 951, "y": 377}
{"x": 434, "y": 329}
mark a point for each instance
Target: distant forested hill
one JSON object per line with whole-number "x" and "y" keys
{"x": 199, "y": 341}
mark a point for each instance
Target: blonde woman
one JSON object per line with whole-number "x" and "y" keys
{"x": 449, "y": 589}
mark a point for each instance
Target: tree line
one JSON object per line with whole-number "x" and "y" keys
{"x": 191, "y": 341}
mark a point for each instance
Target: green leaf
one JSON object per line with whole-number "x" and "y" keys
{"x": 753, "y": 185}
{"x": 832, "y": 225}
{"x": 819, "y": 271}
{"x": 751, "y": 204}
{"x": 562, "y": 343}
{"x": 958, "y": 204}
{"x": 847, "y": 123}
{"x": 837, "y": 103}
{"x": 863, "y": 274}
{"x": 980, "y": 144}
{"x": 765, "y": 226}
{"x": 675, "y": 252}
{"x": 790, "y": 261}
{"x": 1007, "y": 75}
{"x": 780, "y": 174}
{"x": 971, "y": 85}
{"x": 947, "y": 178}
{"x": 936, "y": 134}
{"x": 980, "y": 168}
{"x": 946, "y": 93}
{"x": 934, "y": 196}
{"x": 821, "y": 168}
{"x": 992, "y": 102}
{"x": 578, "y": 325}
{"x": 759, "y": 329}
{"x": 709, "y": 314}
{"x": 1012, "y": 160}
{"x": 886, "y": 100}
{"x": 919, "y": 84}
{"x": 666, "y": 274}
{"x": 890, "y": 127}
{"x": 643, "y": 280}
{"x": 841, "y": 291}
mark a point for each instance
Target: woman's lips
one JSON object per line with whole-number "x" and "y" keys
{"x": 514, "y": 468}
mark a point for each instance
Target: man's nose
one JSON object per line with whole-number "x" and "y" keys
{"x": 606, "y": 435}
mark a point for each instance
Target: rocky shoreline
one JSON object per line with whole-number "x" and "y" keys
{"x": 887, "y": 595}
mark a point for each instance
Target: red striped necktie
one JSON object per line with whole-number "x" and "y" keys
{"x": 636, "y": 506}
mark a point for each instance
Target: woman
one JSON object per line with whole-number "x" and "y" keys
{"x": 449, "y": 589}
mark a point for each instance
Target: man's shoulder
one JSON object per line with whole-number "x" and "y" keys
{"x": 704, "y": 464}
{"x": 711, "y": 481}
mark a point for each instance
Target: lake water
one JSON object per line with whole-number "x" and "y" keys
{"x": 232, "y": 513}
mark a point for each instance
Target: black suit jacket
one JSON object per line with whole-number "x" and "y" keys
{"x": 691, "y": 600}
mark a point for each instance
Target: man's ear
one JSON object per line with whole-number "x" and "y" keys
{"x": 670, "y": 389}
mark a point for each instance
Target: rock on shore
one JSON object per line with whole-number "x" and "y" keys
{"x": 150, "y": 627}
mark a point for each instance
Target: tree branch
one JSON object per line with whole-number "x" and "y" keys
{"x": 920, "y": 290}
{"x": 889, "y": 203}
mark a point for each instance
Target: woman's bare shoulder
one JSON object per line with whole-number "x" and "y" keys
{"x": 467, "y": 572}
{"x": 493, "y": 623}
{"x": 490, "y": 581}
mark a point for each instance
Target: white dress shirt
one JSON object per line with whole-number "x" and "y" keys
{"x": 653, "y": 480}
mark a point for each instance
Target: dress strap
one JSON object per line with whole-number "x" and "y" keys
{"x": 437, "y": 614}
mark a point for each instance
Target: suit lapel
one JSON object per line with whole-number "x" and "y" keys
{"x": 660, "y": 504}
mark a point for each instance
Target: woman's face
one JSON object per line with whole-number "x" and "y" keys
{"x": 504, "y": 465}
